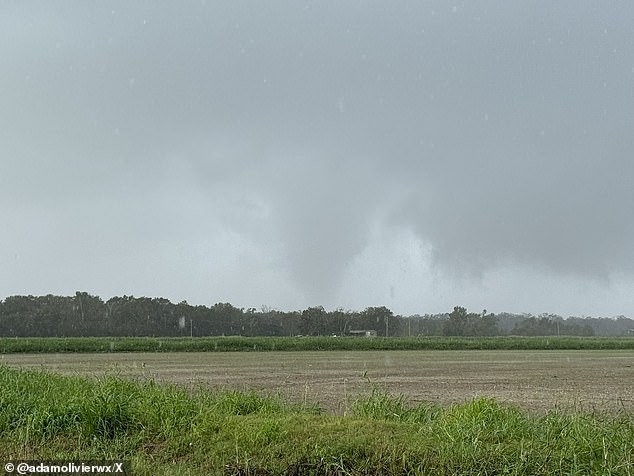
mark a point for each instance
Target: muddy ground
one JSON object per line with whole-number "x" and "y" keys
{"x": 601, "y": 381}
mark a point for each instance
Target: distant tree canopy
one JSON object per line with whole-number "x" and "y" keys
{"x": 551, "y": 325}
{"x": 87, "y": 315}
{"x": 463, "y": 323}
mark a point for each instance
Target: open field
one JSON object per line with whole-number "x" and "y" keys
{"x": 167, "y": 430}
{"x": 591, "y": 381}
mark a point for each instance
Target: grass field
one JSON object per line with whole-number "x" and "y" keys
{"x": 341, "y": 412}
{"x": 165, "y": 430}
{"x": 261, "y": 344}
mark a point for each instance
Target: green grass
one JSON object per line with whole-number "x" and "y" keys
{"x": 166, "y": 430}
{"x": 251, "y": 344}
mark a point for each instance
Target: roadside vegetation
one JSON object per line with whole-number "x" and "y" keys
{"x": 167, "y": 430}
{"x": 264, "y": 344}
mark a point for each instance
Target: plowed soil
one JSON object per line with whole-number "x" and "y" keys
{"x": 595, "y": 381}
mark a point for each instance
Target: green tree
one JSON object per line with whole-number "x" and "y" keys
{"x": 379, "y": 319}
{"x": 483, "y": 325}
{"x": 313, "y": 321}
{"x": 456, "y": 325}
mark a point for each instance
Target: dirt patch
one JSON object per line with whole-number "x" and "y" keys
{"x": 535, "y": 380}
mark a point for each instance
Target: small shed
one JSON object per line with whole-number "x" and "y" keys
{"x": 362, "y": 333}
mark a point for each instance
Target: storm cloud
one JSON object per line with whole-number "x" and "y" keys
{"x": 418, "y": 155}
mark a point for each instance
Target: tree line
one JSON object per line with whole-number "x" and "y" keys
{"x": 87, "y": 315}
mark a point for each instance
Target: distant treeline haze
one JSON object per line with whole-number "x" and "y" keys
{"x": 88, "y": 315}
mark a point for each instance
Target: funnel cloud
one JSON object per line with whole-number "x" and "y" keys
{"x": 413, "y": 155}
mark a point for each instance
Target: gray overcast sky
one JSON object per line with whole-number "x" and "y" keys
{"x": 413, "y": 154}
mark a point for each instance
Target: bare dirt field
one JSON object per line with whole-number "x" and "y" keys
{"x": 600, "y": 381}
